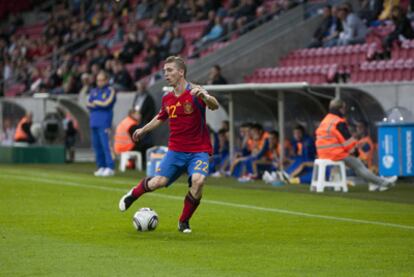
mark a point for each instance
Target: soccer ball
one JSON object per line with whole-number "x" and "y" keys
{"x": 145, "y": 219}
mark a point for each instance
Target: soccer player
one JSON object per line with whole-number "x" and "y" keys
{"x": 189, "y": 143}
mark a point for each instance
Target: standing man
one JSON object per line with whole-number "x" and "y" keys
{"x": 334, "y": 142}
{"x": 100, "y": 103}
{"x": 189, "y": 143}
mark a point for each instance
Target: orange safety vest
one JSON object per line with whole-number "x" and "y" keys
{"x": 258, "y": 144}
{"x": 366, "y": 157}
{"x": 21, "y": 135}
{"x": 122, "y": 140}
{"x": 330, "y": 144}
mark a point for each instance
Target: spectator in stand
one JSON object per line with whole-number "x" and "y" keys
{"x": 370, "y": 10}
{"x": 121, "y": 80}
{"x": 327, "y": 30}
{"x": 177, "y": 43}
{"x": 116, "y": 36}
{"x": 215, "y": 77}
{"x": 100, "y": 103}
{"x": 164, "y": 39}
{"x": 23, "y": 132}
{"x": 131, "y": 48}
{"x": 215, "y": 33}
{"x": 200, "y": 9}
{"x": 402, "y": 31}
{"x": 169, "y": 11}
{"x": 354, "y": 29}
{"x": 144, "y": 102}
{"x": 143, "y": 10}
{"x": 244, "y": 14}
{"x": 387, "y": 9}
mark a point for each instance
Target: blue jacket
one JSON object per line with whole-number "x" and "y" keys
{"x": 304, "y": 150}
{"x": 100, "y": 104}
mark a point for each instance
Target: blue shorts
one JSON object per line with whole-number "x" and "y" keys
{"x": 175, "y": 163}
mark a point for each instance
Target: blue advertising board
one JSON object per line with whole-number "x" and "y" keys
{"x": 395, "y": 149}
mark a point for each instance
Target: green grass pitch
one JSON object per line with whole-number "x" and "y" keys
{"x": 61, "y": 221}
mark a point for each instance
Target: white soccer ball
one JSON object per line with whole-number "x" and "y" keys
{"x": 145, "y": 219}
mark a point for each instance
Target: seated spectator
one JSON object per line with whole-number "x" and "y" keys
{"x": 402, "y": 31}
{"x": 304, "y": 154}
{"x": 131, "y": 48}
{"x": 244, "y": 14}
{"x": 387, "y": 9}
{"x": 215, "y": 33}
{"x": 23, "y": 133}
{"x": 215, "y": 77}
{"x": 329, "y": 28}
{"x": 370, "y": 10}
{"x": 177, "y": 43}
{"x": 354, "y": 29}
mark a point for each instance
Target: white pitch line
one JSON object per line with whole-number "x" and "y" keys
{"x": 214, "y": 202}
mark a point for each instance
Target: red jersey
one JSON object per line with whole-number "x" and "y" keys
{"x": 188, "y": 128}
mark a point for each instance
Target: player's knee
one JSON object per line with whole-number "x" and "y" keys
{"x": 157, "y": 182}
{"x": 197, "y": 180}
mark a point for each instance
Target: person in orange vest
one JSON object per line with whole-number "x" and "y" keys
{"x": 365, "y": 146}
{"x": 23, "y": 133}
{"x": 334, "y": 142}
{"x": 123, "y": 135}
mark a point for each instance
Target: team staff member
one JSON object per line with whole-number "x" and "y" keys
{"x": 100, "y": 104}
{"x": 126, "y": 128}
{"x": 189, "y": 144}
{"x": 23, "y": 133}
{"x": 334, "y": 142}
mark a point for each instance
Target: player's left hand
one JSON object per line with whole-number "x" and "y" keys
{"x": 199, "y": 92}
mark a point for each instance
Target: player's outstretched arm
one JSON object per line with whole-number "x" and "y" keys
{"x": 154, "y": 123}
{"x": 210, "y": 101}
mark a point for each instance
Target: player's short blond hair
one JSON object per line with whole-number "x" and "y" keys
{"x": 179, "y": 62}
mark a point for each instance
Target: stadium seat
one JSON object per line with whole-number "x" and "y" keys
{"x": 320, "y": 179}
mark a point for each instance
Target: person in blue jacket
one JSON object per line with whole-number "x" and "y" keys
{"x": 101, "y": 101}
{"x": 304, "y": 154}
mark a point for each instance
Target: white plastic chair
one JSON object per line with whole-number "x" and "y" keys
{"x": 319, "y": 176}
{"x": 125, "y": 156}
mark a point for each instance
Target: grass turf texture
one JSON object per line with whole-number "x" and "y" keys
{"x": 62, "y": 221}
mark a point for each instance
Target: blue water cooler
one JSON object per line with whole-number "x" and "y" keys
{"x": 396, "y": 148}
{"x": 154, "y": 157}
